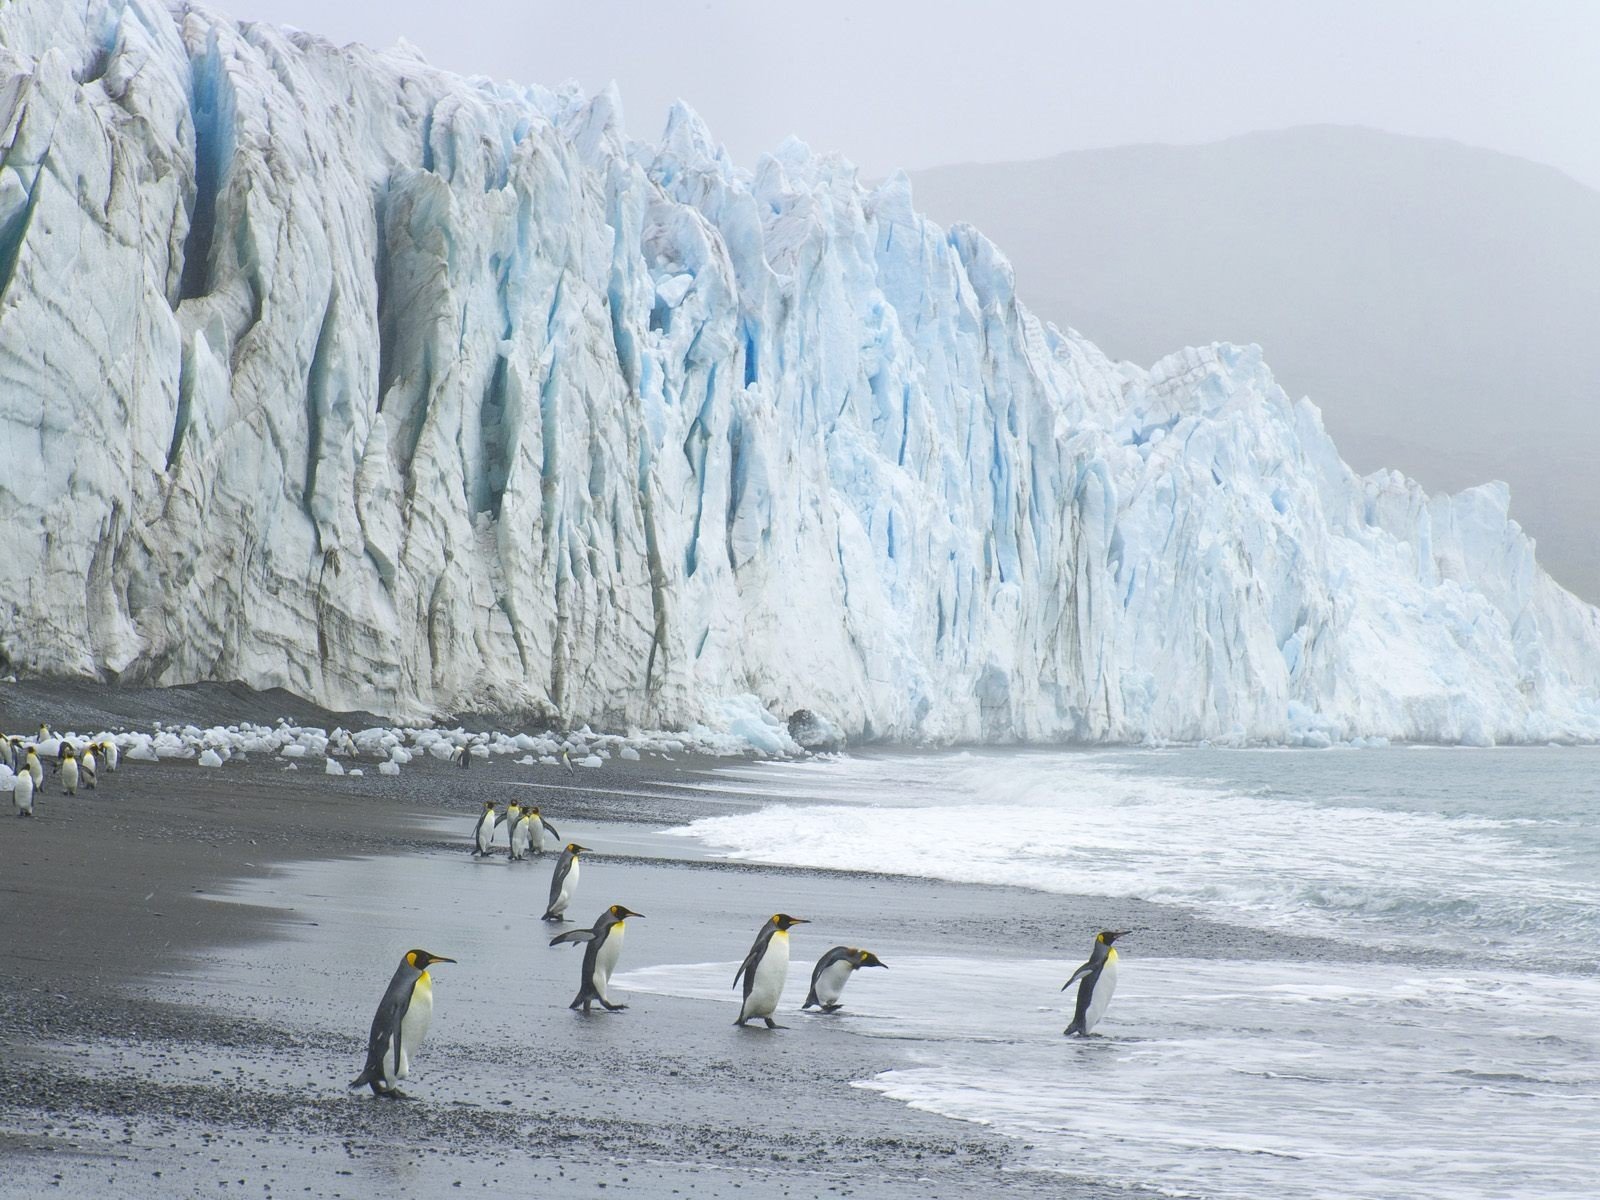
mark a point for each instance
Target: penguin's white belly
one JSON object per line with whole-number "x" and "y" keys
{"x": 605, "y": 961}
{"x": 36, "y": 769}
{"x": 771, "y": 971}
{"x": 413, "y": 1028}
{"x": 519, "y": 839}
{"x": 536, "y": 835}
{"x": 830, "y": 984}
{"x": 485, "y": 834}
{"x": 568, "y": 886}
{"x": 1100, "y": 998}
{"x": 69, "y": 775}
{"x": 22, "y": 792}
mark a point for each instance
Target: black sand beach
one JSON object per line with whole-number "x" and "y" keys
{"x": 194, "y": 955}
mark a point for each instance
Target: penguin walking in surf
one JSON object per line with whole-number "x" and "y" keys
{"x": 602, "y": 945}
{"x": 564, "y": 882}
{"x": 399, "y": 1025}
{"x": 765, "y": 968}
{"x": 1097, "y": 982}
{"x": 483, "y": 831}
{"x": 833, "y": 971}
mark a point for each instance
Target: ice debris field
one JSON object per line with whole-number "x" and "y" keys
{"x": 746, "y": 731}
{"x": 422, "y": 393}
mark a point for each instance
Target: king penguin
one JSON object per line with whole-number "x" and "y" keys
{"x": 537, "y": 828}
{"x": 483, "y": 831}
{"x": 86, "y": 767}
{"x": 109, "y": 755}
{"x": 833, "y": 971}
{"x": 22, "y": 794}
{"x": 765, "y": 968}
{"x": 399, "y": 1025}
{"x": 35, "y": 767}
{"x": 1099, "y": 976}
{"x": 564, "y": 882}
{"x": 69, "y": 773}
{"x": 509, "y": 818}
{"x": 517, "y": 822}
{"x": 604, "y": 944}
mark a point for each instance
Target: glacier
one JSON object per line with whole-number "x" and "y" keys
{"x": 326, "y": 370}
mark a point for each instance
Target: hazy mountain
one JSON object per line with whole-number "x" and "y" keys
{"x": 1440, "y": 303}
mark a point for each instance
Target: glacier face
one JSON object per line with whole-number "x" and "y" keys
{"x": 323, "y": 369}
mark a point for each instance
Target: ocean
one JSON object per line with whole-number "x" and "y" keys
{"x": 1432, "y": 1033}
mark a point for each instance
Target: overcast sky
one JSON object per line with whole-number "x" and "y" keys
{"x": 916, "y": 83}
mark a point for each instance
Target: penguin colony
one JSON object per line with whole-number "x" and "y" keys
{"x": 74, "y": 763}
{"x": 406, "y": 1008}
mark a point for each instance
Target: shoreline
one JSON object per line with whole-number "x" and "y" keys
{"x": 124, "y": 1062}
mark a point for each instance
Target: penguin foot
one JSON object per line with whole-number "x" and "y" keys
{"x": 771, "y": 1024}
{"x": 614, "y": 1007}
{"x": 831, "y": 1008}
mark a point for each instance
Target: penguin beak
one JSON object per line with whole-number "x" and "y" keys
{"x": 439, "y": 959}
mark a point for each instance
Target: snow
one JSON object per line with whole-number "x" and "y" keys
{"x": 209, "y": 758}
{"x": 435, "y": 394}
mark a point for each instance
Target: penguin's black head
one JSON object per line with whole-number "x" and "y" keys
{"x": 1108, "y": 936}
{"x": 866, "y": 958}
{"x": 574, "y": 848}
{"x": 488, "y": 804}
{"x": 620, "y": 912}
{"x": 534, "y": 810}
{"x": 422, "y": 960}
{"x": 783, "y": 920}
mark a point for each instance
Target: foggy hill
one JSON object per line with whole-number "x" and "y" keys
{"x": 1440, "y": 303}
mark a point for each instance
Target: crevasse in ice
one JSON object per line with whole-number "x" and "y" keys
{"x": 323, "y": 369}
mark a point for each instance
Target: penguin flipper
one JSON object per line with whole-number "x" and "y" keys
{"x": 1080, "y": 973}
{"x": 550, "y": 829}
{"x": 573, "y": 935}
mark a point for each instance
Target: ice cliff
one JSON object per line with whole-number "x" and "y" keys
{"x": 323, "y": 369}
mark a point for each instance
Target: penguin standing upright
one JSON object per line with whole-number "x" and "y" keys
{"x": 69, "y": 773}
{"x": 537, "y": 828}
{"x": 519, "y": 835}
{"x": 483, "y": 831}
{"x": 833, "y": 971}
{"x": 109, "y": 755}
{"x": 564, "y": 882}
{"x": 510, "y": 818}
{"x": 22, "y": 794}
{"x": 1099, "y": 982}
{"x": 14, "y": 753}
{"x": 765, "y": 968}
{"x": 35, "y": 767}
{"x": 400, "y": 1025}
{"x": 604, "y": 943}
{"x": 86, "y": 767}
{"x": 464, "y": 758}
